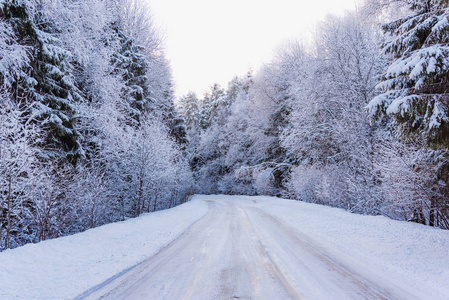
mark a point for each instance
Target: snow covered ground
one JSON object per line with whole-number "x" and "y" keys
{"x": 66, "y": 267}
{"x": 414, "y": 255}
{"x": 411, "y": 257}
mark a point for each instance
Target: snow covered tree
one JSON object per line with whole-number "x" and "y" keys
{"x": 14, "y": 56}
{"x": 276, "y": 86}
{"x": 241, "y": 156}
{"x": 48, "y": 82}
{"x": 329, "y": 132}
{"x": 161, "y": 84}
{"x": 414, "y": 92}
{"x": 132, "y": 64}
{"x": 135, "y": 18}
{"x": 18, "y": 170}
{"x": 146, "y": 71}
{"x": 150, "y": 163}
{"x": 415, "y": 84}
{"x": 190, "y": 110}
{"x": 213, "y": 106}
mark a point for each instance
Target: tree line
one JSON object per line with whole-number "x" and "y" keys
{"x": 89, "y": 133}
{"x": 358, "y": 118}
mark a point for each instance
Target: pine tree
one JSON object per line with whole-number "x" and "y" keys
{"x": 132, "y": 64}
{"x": 213, "y": 106}
{"x": 190, "y": 110}
{"x": 415, "y": 87}
{"x": 47, "y": 81}
{"x": 415, "y": 92}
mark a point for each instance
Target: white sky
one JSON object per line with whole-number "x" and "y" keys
{"x": 210, "y": 41}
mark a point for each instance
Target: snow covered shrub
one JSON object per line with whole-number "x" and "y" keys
{"x": 321, "y": 185}
{"x": 18, "y": 172}
{"x": 264, "y": 181}
{"x": 242, "y": 181}
{"x": 304, "y": 182}
{"x": 149, "y": 163}
{"x": 92, "y": 203}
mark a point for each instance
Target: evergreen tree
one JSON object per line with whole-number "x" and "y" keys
{"x": 189, "y": 106}
{"x": 47, "y": 81}
{"x": 414, "y": 93}
{"x": 132, "y": 64}
{"x": 415, "y": 85}
{"x": 213, "y": 106}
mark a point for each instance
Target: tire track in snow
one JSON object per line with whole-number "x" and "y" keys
{"x": 239, "y": 251}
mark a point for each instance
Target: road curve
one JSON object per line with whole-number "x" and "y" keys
{"x": 239, "y": 251}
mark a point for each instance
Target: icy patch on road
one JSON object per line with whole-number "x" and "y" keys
{"x": 65, "y": 267}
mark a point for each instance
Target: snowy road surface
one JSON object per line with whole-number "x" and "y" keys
{"x": 219, "y": 247}
{"x": 240, "y": 250}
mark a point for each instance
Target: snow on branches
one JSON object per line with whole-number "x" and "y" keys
{"x": 414, "y": 89}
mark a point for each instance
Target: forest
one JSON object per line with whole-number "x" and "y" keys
{"x": 91, "y": 131}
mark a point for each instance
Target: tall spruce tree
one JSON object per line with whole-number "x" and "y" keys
{"x": 47, "y": 81}
{"x": 415, "y": 86}
{"x": 132, "y": 63}
{"x": 190, "y": 110}
{"x": 415, "y": 92}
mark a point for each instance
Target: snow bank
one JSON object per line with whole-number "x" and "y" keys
{"x": 64, "y": 268}
{"x": 413, "y": 255}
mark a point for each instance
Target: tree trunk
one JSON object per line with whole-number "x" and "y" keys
{"x": 92, "y": 219}
{"x": 139, "y": 198}
{"x": 155, "y": 201}
{"x": 432, "y": 221}
{"x": 122, "y": 208}
{"x": 418, "y": 216}
{"x": 8, "y": 228}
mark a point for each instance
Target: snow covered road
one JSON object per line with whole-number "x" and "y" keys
{"x": 242, "y": 250}
{"x": 224, "y": 247}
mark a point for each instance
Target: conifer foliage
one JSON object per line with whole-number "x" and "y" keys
{"x": 132, "y": 63}
{"x": 46, "y": 82}
{"x": 299, "y": 127}
{"x": 415, "y": 87}
{"x": 88, "y": 130}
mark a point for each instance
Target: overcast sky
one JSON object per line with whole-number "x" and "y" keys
{"x": 210, "y": 41}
